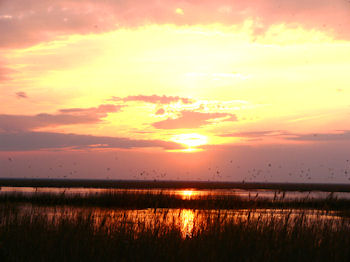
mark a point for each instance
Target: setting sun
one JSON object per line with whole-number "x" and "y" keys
{"x": 195, "y": 90}
{"x": 191, "y": 140}
{"x": 174, "y": 130}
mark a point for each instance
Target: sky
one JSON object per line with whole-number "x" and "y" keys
{"x": 176, "y": 90}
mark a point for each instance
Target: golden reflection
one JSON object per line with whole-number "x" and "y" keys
{"x": 186, "y": 222}
{"x": 188, "y": 194}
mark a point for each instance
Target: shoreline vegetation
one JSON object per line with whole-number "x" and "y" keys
{"x": 122, "y": 225}
{"x": 163, "y": 184}
{"x": 120, "y": 194}
{"x": 30, "y": 234}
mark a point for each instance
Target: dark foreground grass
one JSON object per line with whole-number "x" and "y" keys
{"x": 32, "y": 235}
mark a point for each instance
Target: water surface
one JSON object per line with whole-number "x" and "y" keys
{"x": 187, "y": 193}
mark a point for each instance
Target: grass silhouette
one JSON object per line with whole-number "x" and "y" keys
{"x": 81, "y": 235}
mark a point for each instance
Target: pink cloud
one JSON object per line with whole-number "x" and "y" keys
{"x": 254, "y": 134}
{"x": 190, "y": 119}
{"x": 70, "y": 116}
{"x": 343, "y": 135}
{"x": 5, "y": 72}
{"x": 340, "y": 135}
{"x": 160, "y": 111}
{"x": 27, "y": 22}
{"x": 101, "y": 109}
{"x": 24, "y": 141}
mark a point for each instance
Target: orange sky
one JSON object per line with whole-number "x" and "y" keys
{"x": 191, "y": 79}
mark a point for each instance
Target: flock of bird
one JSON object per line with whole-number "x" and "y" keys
{"x": 264, "y": 174}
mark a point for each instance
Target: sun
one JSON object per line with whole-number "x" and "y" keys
{"x": 191, "y": 141}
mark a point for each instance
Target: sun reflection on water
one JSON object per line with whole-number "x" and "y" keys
{"x": 187, "y": 222}
{"x": 189, "y": 194}
{"x": 186, "y": 194}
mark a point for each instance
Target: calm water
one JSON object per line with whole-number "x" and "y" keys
{"x": 186, "y": 220}
{"x": 184, "y": 193}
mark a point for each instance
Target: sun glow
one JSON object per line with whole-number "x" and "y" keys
{"x": 191, "y": 140}
{"x": 186, "y": 194}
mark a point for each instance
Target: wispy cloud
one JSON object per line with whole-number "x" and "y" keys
{"x": 5, "y": 72}
{"x": 21, "y": 94}
{"x": 154, "y": 99}
{"x": 69, "y": 116}
{"x": 26, "y": 141}
{"x": 190, "y": 119}
{"x": 101, "y": 109}
{"x": 27, "y": 22}
{"x": 339, "y": 136}
{"x": 343, "y": 135}
{"x": 254, "y": 134}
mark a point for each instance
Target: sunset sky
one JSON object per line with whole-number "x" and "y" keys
{"x": 191, "y": 90}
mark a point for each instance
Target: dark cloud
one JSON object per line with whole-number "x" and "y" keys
{"x": 70, "y": 116}
{"x": 25, "y": 141}
{"x": 190, "y": 119}
{"x": 154, "y": 99}
{"x": 27, "y": 22}
{"x": 21, "y": 95}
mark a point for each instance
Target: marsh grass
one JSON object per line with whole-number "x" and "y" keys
{"x": 81, "y": 235}
{"x": 163, "y": 184}
{"x": 129, "y": 226}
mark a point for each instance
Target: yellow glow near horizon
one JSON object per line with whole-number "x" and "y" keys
{"x": 191, "y": 140}
{"x": 220, "y": 67}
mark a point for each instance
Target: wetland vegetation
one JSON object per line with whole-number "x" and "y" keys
{"x": 150, "y": 225}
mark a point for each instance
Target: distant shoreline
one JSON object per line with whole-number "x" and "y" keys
{"x": 151, "y": 184}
